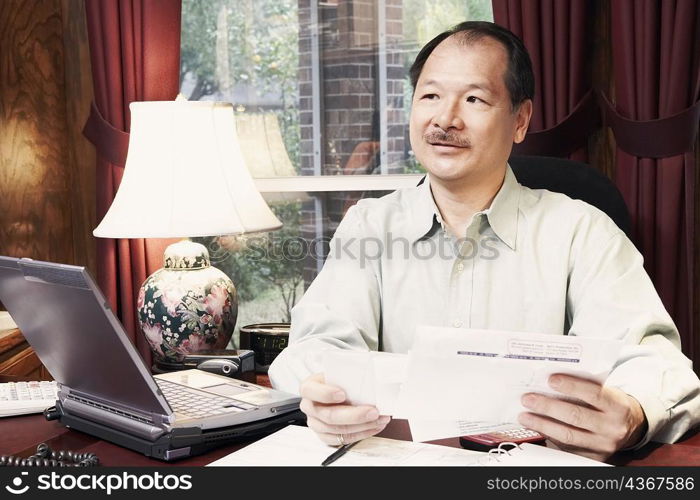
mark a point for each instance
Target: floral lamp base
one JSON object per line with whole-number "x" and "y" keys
{"x": 188, "y": 306}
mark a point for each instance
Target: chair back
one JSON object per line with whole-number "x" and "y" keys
{"x": 576, "y": 180}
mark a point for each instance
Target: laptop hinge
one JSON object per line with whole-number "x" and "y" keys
{"x": 119, "y": 420}
{"x": 157, "y": 419}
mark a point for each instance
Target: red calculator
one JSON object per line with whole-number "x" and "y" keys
{"x": 488, "y": 440}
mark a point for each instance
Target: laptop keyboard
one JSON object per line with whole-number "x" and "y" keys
{"x": 199, "y": 404}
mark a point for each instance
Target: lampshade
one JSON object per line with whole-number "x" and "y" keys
{"x": 185, "y": 176}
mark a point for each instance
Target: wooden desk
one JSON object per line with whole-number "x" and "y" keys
{"x": 22, "y": 434}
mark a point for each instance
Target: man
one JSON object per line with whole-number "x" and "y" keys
{"x": 527, "y": 260}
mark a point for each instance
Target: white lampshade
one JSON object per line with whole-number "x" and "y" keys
{"x": 185, "y": 176}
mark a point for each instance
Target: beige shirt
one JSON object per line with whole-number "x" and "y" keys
{"x": 534, "y": 261}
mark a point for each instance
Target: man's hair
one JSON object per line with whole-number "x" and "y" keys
{"x": 519, "y": 78}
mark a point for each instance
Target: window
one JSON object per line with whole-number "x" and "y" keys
{"x": 322, "y": 99}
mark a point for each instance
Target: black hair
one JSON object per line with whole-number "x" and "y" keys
{"x": 519, "y": 78}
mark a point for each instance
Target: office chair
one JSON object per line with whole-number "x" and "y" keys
{"x": 576, "y": 180}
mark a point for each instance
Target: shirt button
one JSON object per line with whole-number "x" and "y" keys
{"x": 457, "y": 324}
{"x": 460, "y": 267}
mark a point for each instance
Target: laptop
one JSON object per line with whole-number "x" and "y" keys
{"x": 106, "y": 390}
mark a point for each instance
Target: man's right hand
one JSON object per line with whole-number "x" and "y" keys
{"x": 334, "y": 422}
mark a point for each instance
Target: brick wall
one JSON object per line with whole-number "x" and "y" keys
{"x": 349, "y": 97}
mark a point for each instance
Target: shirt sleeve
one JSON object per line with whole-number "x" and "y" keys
{"x": 610, "y": 294}
{"x": 340, "y": 310}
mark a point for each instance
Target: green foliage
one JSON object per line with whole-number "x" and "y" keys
{"x": 259, "y": 262}
{"x": 198, "y": 45}
{"x": 227, "y": 42}
{"x": 256, "y": 43}
{"x": 424, "y": 19}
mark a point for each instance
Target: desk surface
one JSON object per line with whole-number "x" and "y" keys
{"x": 21, "y": 435}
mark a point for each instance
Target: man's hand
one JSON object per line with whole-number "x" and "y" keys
{"x": 610, "y": 420}
{"x": 334, "y": 422}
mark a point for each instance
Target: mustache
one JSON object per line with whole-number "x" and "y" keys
{"x": 446, "y": 137}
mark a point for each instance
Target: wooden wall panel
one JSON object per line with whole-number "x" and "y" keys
{"x": 81, "y": 153}
{"x": 46, "y": 179}
{"x": 35, "y": 218}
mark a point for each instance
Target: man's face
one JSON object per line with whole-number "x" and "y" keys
{"x": 462, "y": 123}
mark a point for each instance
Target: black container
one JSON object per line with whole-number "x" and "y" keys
{"x": 266, "y": 340}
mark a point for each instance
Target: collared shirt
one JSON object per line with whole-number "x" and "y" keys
{"x": 534, "y": 261}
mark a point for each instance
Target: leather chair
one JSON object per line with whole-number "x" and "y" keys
{"x": 576, "y": 180}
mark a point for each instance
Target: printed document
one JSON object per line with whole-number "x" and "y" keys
{"x": 466, "y": 381}
{"x": 295, "y": 445}
{"x": 371, "y": 378}
{"x": 299, "y": 446}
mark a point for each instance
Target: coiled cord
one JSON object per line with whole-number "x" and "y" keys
{"x": 46, "y": 457}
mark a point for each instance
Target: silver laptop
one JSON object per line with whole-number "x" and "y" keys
{"x": 105, "y": 389}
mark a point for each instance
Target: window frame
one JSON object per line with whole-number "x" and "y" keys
{"x": 336, "y": 183}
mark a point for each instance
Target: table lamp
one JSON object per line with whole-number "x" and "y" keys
{"x": 185, "y": 176}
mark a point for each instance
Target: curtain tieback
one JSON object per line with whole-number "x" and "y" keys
{"x": 567, "y": 136}
{"x": 111, "y": 143}
{"x": 660, "y": 138}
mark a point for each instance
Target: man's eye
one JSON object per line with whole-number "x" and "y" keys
{"x": 430, "y": 96}
{"x": 472, "y": 98}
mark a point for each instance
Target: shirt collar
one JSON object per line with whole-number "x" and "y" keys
{"x": 424, "y": 212}
{"x": 502, "y": 215}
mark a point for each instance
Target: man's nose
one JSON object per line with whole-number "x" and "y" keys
{"x": 448, "y": 115}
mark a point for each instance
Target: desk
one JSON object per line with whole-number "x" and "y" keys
{"x": 21, "y": 434}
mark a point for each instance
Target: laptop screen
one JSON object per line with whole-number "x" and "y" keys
{"x": 68, "y": 322}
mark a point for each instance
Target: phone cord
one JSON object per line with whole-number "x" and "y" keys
{"x": 46, "y": 457}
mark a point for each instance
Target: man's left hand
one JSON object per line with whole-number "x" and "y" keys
{"x": 608, "y": 421}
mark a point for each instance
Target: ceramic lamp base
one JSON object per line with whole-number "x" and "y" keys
{"x": 188, "y": 306}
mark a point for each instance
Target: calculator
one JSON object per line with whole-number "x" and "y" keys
{"x": 488, "y": 440}
{"x": 20, "y": 398}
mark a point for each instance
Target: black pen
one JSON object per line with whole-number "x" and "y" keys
{"x": 337, "y": 454}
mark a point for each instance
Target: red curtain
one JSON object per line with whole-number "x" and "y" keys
{"x": 656, "y": 60}
{"x": 135, "y": 56}
{"x": 557, "y": 35}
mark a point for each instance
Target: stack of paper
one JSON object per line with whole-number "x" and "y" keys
{"x": 296, "y": 445}
{"x": 300, "y": 446}
{"x": 461, "y": 381}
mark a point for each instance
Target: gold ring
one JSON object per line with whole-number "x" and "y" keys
{"x": 341, "y": 440}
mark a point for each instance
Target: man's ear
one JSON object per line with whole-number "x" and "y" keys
{"x": 522, "y": 120}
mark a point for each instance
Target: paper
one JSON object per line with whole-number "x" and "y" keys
{"x": 591, "y": 357}
{"x": 430, "y": 430}
{"x": 368, "y": 378}
{"x": 454, "y": 379}
{"x": 532, "y": 455}
{"x": 483, "y": 374}
{"x": 299, "y": 446}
